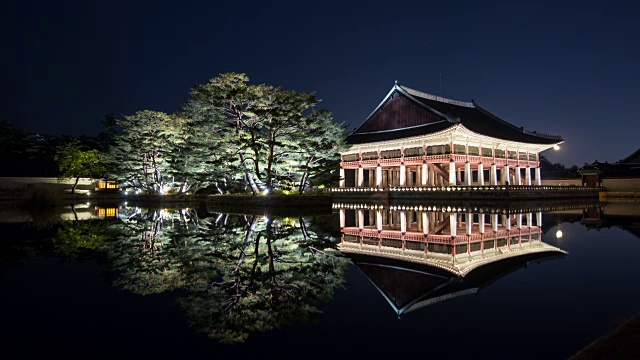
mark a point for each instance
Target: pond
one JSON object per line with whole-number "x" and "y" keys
{"x": 523, "y": 281}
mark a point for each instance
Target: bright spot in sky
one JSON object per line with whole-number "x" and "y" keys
{"x": 556, "y": 147}
{"x": 559, "y": 234}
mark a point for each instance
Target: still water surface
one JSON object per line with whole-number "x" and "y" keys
{"x": 160, "y": 283}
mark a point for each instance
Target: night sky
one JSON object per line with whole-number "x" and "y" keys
{"x": 566, "y": 68}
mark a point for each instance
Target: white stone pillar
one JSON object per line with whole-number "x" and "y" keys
{"x": 481, "y": 223}
{"x": 452, "y": 173}
{"x": 519, "y": 220}
{"x": 494, "y": 222}
{"x": 341, "y": 177}
{"x": 481, "y": 174}
{"x": 538, "y": 178}
{"x": 459, "y": 176}
{"x": 378, "y": 176}
{"x": 342, "y": 217}
{"x": 425, "y": 174}
{"x": 506, "y": 222}
{"x": 518, "y": 176}
{"x": 379, "y": 220}
{"x": 527, "y": 176}
{"x": 425, "y": 223}
{"x": 505, "y": 174}
{"x": 494, "y": 175}
{"x": 360, "y": 218}
{"x": 467, "y": 173}
{"x": 529, "y": 220}
{"x": 403, "y": 222}
{"x": 539, "y": 219}
{"x": 469, "y": 222}
{"x": 403, "y": 175}
{"x": 453, "y": 224}
{"x": 360, "y": 177}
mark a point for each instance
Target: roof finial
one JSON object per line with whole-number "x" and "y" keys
{"x": 396, "y": 83}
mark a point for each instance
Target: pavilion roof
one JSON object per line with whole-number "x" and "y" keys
{"x": 409, "y": 286}
{"x": 634, "y": 158}
{"x": 442, "y": 113}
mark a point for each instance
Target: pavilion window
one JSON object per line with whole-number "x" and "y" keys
{"x": 392, "y": 243}
{"x": 513, "y": 155}
{"x": 523, "y": 156}
{"x": 352, "y": 238}
{"x": 487, "y": 152}
{"x": 414, "y": 245}
{"x": 370, "y": 155}
{"x": 459, "y": 149}
{"x": 474, "y": 150}
{"x": 390, "y": 154}
{"x": 499, "y": 153}
{"x": 438, "y": 150}
{"x": 351, "y": 157}
{"x": 414, "y": 151}
{"x": 532, "y": 156}
{"x": 370, "y": 241}
{"x": 461, "y": 249}
{"x": 440, "y": 248}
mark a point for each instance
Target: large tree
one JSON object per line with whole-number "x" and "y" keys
{"x": 157, "y": 152}
{"x": 270, "y": 131}
{"x": 76, "y": 162}
{"x": 229, "y": 94}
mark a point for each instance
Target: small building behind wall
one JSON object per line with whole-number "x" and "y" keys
{"x": 623, "y": 175}
{"x": 415, "y": 139}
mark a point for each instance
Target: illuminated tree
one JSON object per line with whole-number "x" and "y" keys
{"x": 272, "y": 133}
{"x": 318, "y": 152}
{"x": 230, "y": 95}
{"x": 76, "y": 162}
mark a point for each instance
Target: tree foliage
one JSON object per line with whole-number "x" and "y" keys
{"x": 75, "y": 161}
{"x": 274, "y": 136}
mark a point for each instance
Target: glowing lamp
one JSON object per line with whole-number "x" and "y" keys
{"x": 556, "y": 147}
{"x": 558, "y": 234}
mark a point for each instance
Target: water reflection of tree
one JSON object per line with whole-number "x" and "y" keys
{"x": 240, "y": 273}
{"x": 74, "y": 238}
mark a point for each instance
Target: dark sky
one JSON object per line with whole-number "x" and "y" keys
{"x": 566, "y": 68}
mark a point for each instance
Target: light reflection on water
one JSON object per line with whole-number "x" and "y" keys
{"x": 467, "y": 278}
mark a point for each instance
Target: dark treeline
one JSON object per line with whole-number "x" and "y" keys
{"x": 29, "y": 154}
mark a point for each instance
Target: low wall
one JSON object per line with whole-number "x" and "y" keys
{"x": 561, "y": 182}
{"x": 16, "y": 182}
{"x": 631, "y": 184}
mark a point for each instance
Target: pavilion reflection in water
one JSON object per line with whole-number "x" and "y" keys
{"x": 419, "y": 255}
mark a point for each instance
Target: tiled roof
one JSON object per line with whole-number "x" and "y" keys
{"x": 634, "y": 158}
{"x": 468, "y": 114}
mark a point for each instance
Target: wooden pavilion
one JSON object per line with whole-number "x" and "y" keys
{"x": 418, "y": 139}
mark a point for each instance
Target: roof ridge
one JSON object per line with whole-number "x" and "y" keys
{"x": 622, "y": 161}
{"x": 428, "y": 96}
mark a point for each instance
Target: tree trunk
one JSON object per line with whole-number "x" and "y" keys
{"x": 73, "y": 189}
{"x": 254, "y": 187}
